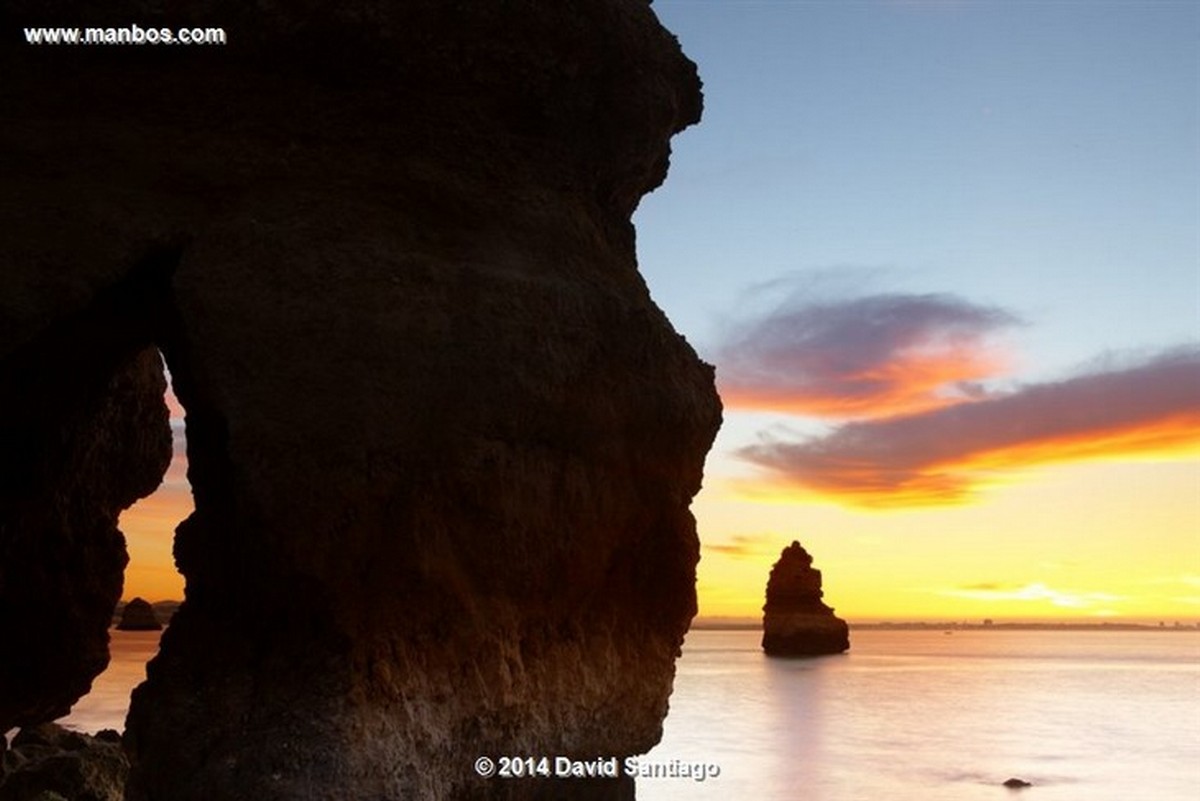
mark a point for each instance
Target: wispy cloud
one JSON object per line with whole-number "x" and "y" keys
{"x": 940, "y": 455}
{"x": 740, "y": 546}
{"x": 865, "y": 357}
{"x": 1037, "y": 592}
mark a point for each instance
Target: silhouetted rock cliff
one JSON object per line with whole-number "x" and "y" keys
{"x": 796, "y": 622}
{"x": 440, "y": 440}
{"x": 83, "y": 434}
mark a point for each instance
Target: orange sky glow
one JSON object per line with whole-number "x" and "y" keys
{"x": 1096, "y": 526}
{"x": 915, "y": 381}
{"x": 958, "y": 480}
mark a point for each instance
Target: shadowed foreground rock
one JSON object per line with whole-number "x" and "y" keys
{"x": 796, "y": 622}
{"x": 50, "y": 763}
{"x": 440, "y": 440}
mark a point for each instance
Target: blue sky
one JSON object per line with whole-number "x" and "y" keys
{"x": 1042, "y": 157}
{"x": 946, "y": 259}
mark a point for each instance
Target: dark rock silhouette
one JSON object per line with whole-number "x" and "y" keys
{"x": 49, "y": 762}
{"x": 1016, "y": 784}
{"x": 138, "y": 615}
{"x": 796, "y": 622}
{"x": 442, "y": 444}
{"x": 83, "y": 434}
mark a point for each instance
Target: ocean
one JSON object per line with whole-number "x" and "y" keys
{"x": 1081, "y": 715}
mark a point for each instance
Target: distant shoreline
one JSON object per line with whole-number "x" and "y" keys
{"x": 748, "y": 625}
{"x": 166, "y": 610}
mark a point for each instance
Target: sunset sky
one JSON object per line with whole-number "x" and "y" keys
{"x": 946, "y": 259}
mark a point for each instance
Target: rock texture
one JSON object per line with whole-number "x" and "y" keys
{"x": 796, "y": 622}
{"x": 138, "y": 615}
{"x": 50, "y": 763}
{"x": 440, "y": 440}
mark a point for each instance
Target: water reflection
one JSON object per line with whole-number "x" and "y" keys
{"x": 106, "y": 705}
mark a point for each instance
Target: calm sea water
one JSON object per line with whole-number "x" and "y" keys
{"x": 1085, "y": 716}
{"x": 105, "y": 706}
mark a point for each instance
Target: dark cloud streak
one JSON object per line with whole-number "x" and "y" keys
{"x": 938, "y": 456}
{"x": 860, "y": 358}
{"x": 740, "y": 546}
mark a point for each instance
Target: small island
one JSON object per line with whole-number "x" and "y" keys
{"x": 139, "y": 615}
{"x": 796, "y": 622}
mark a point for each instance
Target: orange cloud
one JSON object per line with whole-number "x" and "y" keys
{"x": 869, "y": 357}
{"x": 941, "y": 455}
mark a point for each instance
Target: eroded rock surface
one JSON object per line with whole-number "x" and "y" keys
{"x": 796, "y": 622}
{"x": 50, "y": 763}
{"x": 440, "y": 440}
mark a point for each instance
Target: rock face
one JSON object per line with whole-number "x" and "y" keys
{"x": 796, "y": 622}
{"x": 48, "y": 762}
{"x": 83, "y": 434}
{"x": 440, "y": 440}
{"x": 138, "y": 615}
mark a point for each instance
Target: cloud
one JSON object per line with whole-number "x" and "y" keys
{"x": 741, "y": 546}
{"x": 1033, "y": 592}
{"x": 176, "y": 474}
{"x": 866, "y": 357}
{"x": 940, "y": 455}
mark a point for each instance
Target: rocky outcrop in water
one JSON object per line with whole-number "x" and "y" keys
{"x": 440, "y": 440}
{"x": 796, "y": 622}
{"x": 138, "y": 615}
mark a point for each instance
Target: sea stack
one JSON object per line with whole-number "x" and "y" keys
{"x": 796, "y": 622}
{"x": 138, "y": 615}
